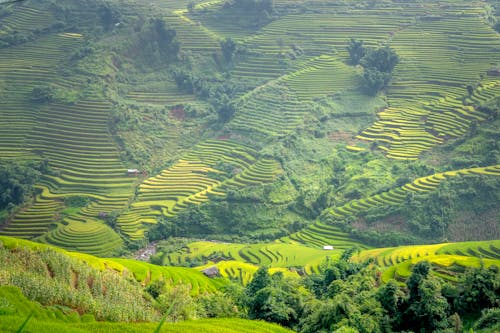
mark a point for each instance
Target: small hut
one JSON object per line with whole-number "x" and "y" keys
{"x": 132, "y": 172}
{"x": 494, "y": 72}
{"x": 327, "y": 247}
{"x": 211, "y": 271}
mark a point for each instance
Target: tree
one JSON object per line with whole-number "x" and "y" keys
{"x": 480, "y": 289}
{"x": 17, "y": 180}
{"x": 375, "y": 80}
{"x": 279, "y": 301}
{"x": 356, "y": 51}
{"x": 420, "y": 272}
{"x": 428, "y": 311}
{"x": 390, "y": 296}
{"x": 226, "y": 108}
{"x": 497, "y": 26}
{"x": 378, "y": 65}
{"x": 109, "y": 17}
{"x": 426, "y": 307}
{"x": 42, "y": 94}
{"x": 229, "y": 49}
{"x": 161, "y": 38}
{"x": 260, "y": 280}
{"x": 383, "y": 59}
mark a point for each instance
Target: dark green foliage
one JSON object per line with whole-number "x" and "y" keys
{"x": 158, "y": 42}
{"x": 17, "y": 179}
{"x": 321, "y": 284}
{"x": 273, "y": 299}
{"x": 229, "y": 49}
{"x": 390, "y": 297}
{"x": 15, "y": 38}
{"x": 166, "y": 38}
{"x": 480, "y": 289}
{"x": 490, "y": 318}
{"x": 378, "y": 64}
{"x": 226, "y": 108}
{"x": 156, "y": 288}
{"x": 76, "y": 201}
{"x": 351, "y": 303}
{"x": 383, "y": 59}
{"x": 420, "y": 273}
{"x": 356, "y": 51}
{"x": 42, "y": 94}
{"x": 218, "y": 305}
{"x": 109, "y": 16}
{"x": 427, "y": 308}
{"x": 497, "y": 27}
{"x": 260, "y": 280}
{"x": 375, "y": 80}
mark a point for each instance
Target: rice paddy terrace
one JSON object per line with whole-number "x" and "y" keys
{"x": 74, "y": 137}
{"x": 448, "y": 259}
{"x": 297, "y": 57}
{"x": 209, "y": 169}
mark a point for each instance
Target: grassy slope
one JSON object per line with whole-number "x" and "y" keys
{"x": 142, "y": 272}
{"x": 15, "y": 308}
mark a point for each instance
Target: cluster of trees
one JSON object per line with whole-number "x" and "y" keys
{"x": 17, "y": 180}
{"x": 350, "y": 297}
{"x": 378, "y": 64}
{"x": 158, "y": 41}
{"x": 218, "y": 91}
{"x": 109, "y": 16}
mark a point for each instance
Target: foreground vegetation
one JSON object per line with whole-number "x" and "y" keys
{"x": 347, "y": 293}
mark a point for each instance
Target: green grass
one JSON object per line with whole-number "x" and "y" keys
{"x": 142, "y": 272}
{"x": 14, "y": 308}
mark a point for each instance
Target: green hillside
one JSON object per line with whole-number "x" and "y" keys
{"x": 16, "y": 308}
{"x": 303, "y": 152}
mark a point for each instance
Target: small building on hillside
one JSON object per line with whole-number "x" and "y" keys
{"x": 327, "y": 247}
{"x": 132, "y": 172}
{"x": 494, "y": 72}
{"x": 211, "y": 271}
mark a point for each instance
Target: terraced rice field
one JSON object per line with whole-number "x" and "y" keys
{"x": 85, "y": 162}
{"x": 398, "y": 195}
{"x": 271, "y": 110}
{"x": 447, "y": 259}
{"x": 274, "y": 255}
{"x": 321, "y": 76}
{"x": 243, "y": 272}
{"x": 87, "y": 237}
{"x": 427, "y": 108}
{"x": 322, "y": 234}
{"x": 240, "y": 261}
{"x": 74, "y": 138}
{"x": 147, "y": 273}
{"x": 25, "y": 19}
{"x": 22, "y": 68}
{"x": 193, "y": 179}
